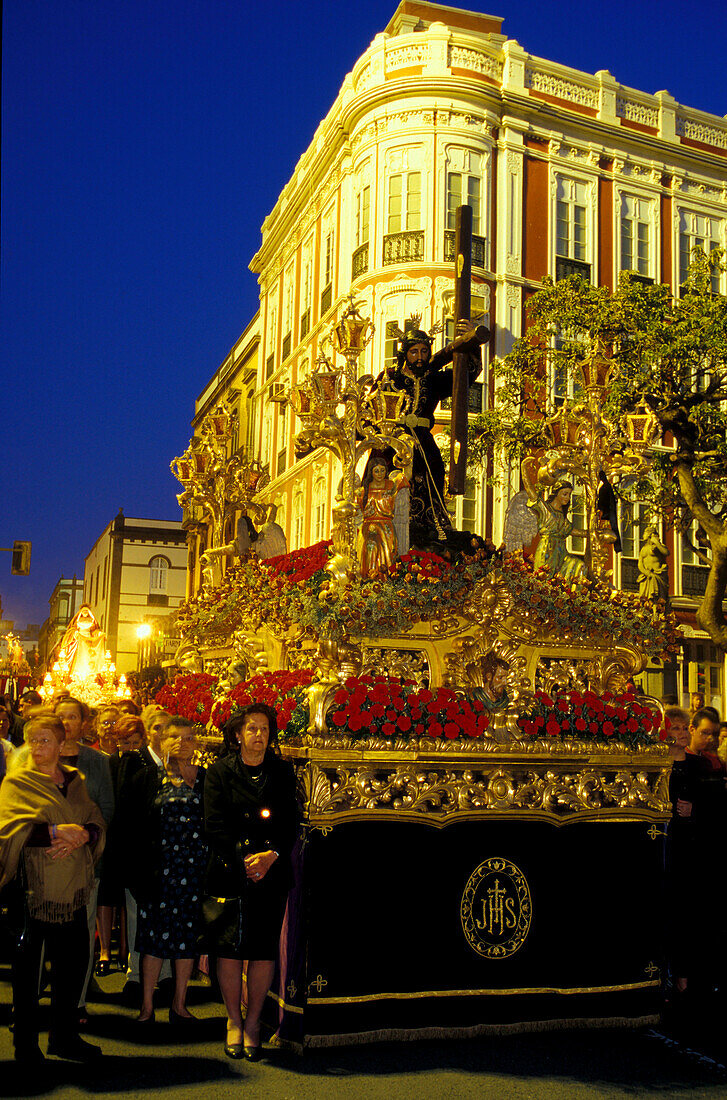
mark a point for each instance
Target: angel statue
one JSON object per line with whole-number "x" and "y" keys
{"x": 653, "y": 576}
{"x": 548, "y": 518}
{"x": 378, "y": 546}
{"x": 270, "y": 541}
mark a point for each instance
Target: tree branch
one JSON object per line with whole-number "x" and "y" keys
{"x": 694, "y": 502}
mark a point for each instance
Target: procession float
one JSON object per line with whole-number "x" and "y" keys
{"x": 483, "y": 792}
{"x": 81, "y": 665}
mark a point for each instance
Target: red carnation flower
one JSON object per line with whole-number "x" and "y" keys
{"x": 403, "y": 722}
{"x": 608, "y": 729}
{"x": 553, "y": 727}
{"x": 580, "y": 724}
{"x": 377, "y": 711}
{"x": 435, "y": 729}
{"x": 388, "y": 729}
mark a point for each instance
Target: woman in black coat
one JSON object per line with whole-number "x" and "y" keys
{"x": 250, "y": 817}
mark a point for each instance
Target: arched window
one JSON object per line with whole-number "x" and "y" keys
{"x": 297, "y": 531}
{"x": 158, "y": 576}
{"x": 319, "y": 509}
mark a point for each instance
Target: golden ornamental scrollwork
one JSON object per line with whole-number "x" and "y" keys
{"x": 612, "y": 671}
{"x": 563, "y": 674}
{"x": 443, "y": 791}
{"x": 407, "y": 664}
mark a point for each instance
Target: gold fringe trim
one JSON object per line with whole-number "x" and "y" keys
{"x": 286, "y": 1044}
{"x": 398, "y": 1035}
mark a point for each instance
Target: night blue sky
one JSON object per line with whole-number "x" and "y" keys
{"x": 143, "y": 143}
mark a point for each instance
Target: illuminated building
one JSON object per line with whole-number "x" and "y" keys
{"x": 565, "y": 171}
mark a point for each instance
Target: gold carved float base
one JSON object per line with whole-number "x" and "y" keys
{"x": 438, "y": 788}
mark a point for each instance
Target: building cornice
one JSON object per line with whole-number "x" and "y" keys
{"x": 492, "y": 75}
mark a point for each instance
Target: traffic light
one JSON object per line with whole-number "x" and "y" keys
{"x": 21, "y": 559}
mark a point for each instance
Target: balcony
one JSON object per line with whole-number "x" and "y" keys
{"x": 629, "y": 574}
{"x": 475, "y": 399}
{"x": 565, "y": 267}
{"x": 645, "y": 280}
{"x": 404, "y": 248}
{"x": 694, "y": 580}
{"x": 360, "y": 261}
{"x": 478, "y": 249}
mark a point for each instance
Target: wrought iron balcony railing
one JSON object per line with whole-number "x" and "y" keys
{"x": 629, "y": 574}
{"x": 565, "y": 266}
{"x": 694, "y": 580}
{"x": 479, "y": 250}
{"x": 404, "y": 248}
{"x": 360, "y": 261}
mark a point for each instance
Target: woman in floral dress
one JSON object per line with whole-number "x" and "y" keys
{"x": 170, "y": 858}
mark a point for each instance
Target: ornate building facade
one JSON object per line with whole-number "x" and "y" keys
{"x": 135, "y": 574}
{"x": 565, "y": 172}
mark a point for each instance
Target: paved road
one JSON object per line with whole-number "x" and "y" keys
{"x": 550, "y": 1066}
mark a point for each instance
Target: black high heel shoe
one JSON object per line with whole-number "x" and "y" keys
{"x": 252, "y": 1054}
{"x": 103, "y": 968}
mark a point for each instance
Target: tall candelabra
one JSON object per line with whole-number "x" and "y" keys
{"x": 216, "y": 483}
{"x": 350, "y": 416}
{"x": 585, "y": 444}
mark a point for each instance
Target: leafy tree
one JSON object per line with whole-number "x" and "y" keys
{"x": 669, "y": 355}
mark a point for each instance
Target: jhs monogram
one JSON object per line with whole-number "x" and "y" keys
{"x": 498, "y": 911}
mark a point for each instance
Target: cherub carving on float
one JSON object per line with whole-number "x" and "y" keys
{"x": 376, "y": 498}
{"x": 84, "y": 645}
{"x": 547, "y": 498}
{"x": 494, "y": 694}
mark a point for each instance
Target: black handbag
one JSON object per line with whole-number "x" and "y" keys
{"x": 222, "y": 924}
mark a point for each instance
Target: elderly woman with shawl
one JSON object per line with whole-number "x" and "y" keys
{"x": 50, "y": 835}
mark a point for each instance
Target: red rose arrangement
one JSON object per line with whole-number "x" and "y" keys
{"x": 189, "y": 695}
{"x": 590, "y": 717}
{"x": 300, "y": 565}
{"x": 376, "y": 706}
{"x": 281, "y": 690}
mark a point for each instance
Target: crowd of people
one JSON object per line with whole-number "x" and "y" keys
{"x": 107, "y": 820}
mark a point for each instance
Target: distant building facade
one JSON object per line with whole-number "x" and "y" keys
{"x": 565, "y": 172}
{"x": 65, "y": 600}
{"x": 135, "y": 573}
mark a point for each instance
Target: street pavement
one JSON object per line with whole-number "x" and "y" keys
{"x": 547, "y": 1066}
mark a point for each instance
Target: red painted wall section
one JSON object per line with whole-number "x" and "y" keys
{"x": 535, "y": 221}
{"x": 605, "y": 233}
